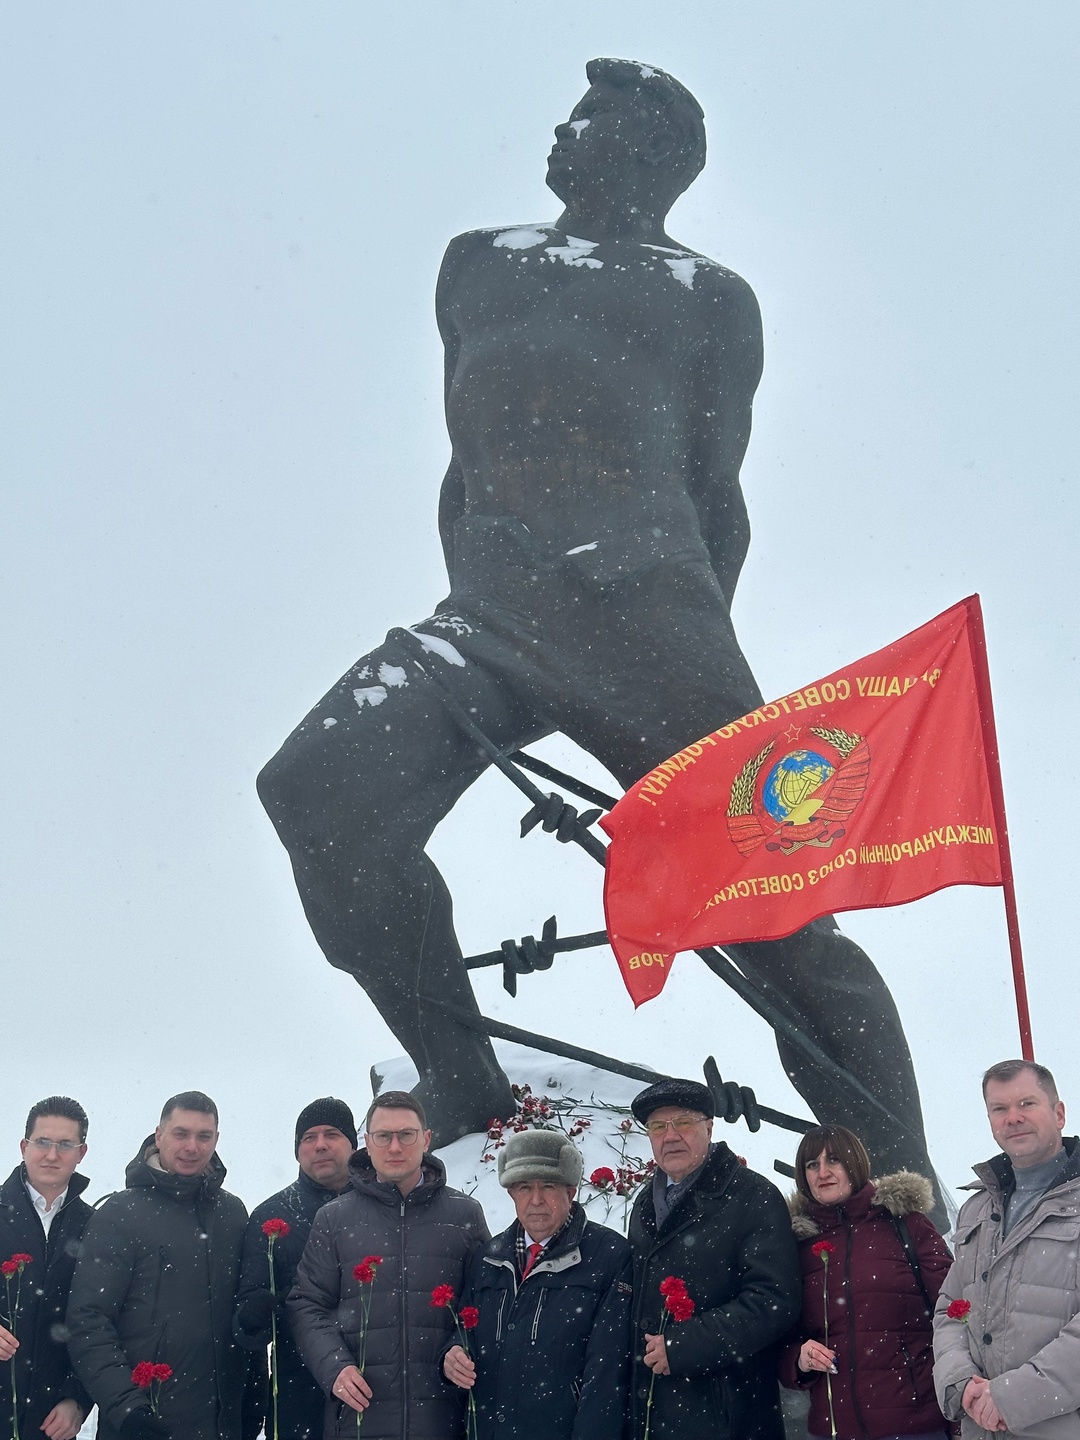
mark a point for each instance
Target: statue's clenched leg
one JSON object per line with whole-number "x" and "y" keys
{"x": 355, "y": 793}
{"x": 838, "y": 1000}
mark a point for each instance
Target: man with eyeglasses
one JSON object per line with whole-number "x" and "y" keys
{"x": 156, "y": 1282}
{"x": 42, "y": 1218}
{"x": 324, "y": 1141}
{"x": 374, "y": 1344}
{"x": 724, "y": 1231}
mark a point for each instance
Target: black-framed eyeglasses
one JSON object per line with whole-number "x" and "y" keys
{"x": 65, "y": 1147}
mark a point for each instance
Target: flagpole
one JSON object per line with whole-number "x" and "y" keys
{"x": 997, "y": 800}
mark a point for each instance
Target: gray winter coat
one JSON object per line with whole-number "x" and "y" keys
{"x": 425, "y": 1240}
{"x": 1023, "y": 1330}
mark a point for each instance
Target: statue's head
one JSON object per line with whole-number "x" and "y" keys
{"x": 635, "y": 128}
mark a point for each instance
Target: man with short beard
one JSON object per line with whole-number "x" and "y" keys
{"x": 42, "y": 1217}
{"x": 325, "y": 1138}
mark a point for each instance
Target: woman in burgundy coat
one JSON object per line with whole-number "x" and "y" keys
{"x": 877, "y": 1350}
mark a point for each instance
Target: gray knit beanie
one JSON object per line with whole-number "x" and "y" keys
{"x": 327, "y": 1111}
{"x": 540, "y": 1155}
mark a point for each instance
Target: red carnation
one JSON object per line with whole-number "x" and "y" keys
{"x": 442, "y": 1296}
{"x": 365, "y": 1271}
{"x": 672, "y": 1286}
{"x": 603, "y": 1176}
{"x": 959, "y": 1310}
{"x": 823, "y": 1249}
{"x": 162, "y": 1372}
{"x": 680, "y": 1306}
{"x": 143, "y": 1375}
{"x": 22, "y": 1259}
{"x": 273, "y": 1228}
{"x": 8, "y": 1267}
{"x": 469, "y": 1317}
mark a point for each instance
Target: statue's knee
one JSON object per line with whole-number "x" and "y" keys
{"x": 282, "y": 789}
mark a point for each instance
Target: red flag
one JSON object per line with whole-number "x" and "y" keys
{"x": 868, "y": 788}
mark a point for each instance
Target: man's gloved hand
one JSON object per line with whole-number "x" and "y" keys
{"x": 143, "y": 1424}
{"x": 255, "y": 1311}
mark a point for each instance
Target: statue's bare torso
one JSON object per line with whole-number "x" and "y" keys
{"x": 597, "y": 391}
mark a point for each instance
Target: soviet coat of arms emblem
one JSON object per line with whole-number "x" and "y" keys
{"x": 804, "y": 797}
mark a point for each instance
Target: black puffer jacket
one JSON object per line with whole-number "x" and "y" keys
{"x": 300, "y": 1401}
{"x": 43, "y": 1373}
{"x": 425, "y": 1239}
{"x": 729, "y": 1238}
{"x": 156, "y": 1280}
{"x": 553, "y": 1351}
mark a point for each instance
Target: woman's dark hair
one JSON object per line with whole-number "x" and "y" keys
{"x": 841, "y": 1143}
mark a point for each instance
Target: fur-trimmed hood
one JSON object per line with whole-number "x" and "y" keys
{"x": 903, "y": 1193}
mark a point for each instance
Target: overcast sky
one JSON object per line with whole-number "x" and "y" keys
{"x": 222, "y": 443}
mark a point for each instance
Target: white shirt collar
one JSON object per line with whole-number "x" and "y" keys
{"x": 41, "y": 1204}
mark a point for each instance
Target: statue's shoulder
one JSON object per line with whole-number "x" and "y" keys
{"x": 700, "y": 272}
{"x": 465, "y": 247}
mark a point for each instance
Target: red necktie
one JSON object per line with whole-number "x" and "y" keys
{"x": 532, "y": 1254}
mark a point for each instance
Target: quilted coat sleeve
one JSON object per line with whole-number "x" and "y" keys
{"x": 953, "y": 1362}
{"x": 313, "y": 1303}
{"x": 935, "y": 1260}
{"x": 99, "y": 1288}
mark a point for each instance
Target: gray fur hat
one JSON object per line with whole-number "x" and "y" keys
{"x": 540, "y": 1155}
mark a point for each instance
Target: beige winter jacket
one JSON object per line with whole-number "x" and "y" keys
{"x": 1023, "y": 1330}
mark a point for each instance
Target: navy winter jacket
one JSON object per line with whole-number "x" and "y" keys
{"x": 300, "y": 1401}
{"x": 553, "y": 1351}
{"x": 43, "y": 1371}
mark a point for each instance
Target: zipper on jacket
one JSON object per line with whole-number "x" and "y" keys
{"x": 404, "y": 1332}
{"x": 536, "y": 1317}
{"x": 157, "y": 1284}
{"x": 499, "y": 1318}
{"x": 852, "y": 1363}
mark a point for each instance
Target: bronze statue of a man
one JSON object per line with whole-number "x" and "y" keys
{"x": 599, "y": 383}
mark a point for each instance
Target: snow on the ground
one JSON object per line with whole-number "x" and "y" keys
{"x": 604, "y": 1100}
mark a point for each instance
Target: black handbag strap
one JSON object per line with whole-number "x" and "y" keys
{"x": 903, "y": 1234}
